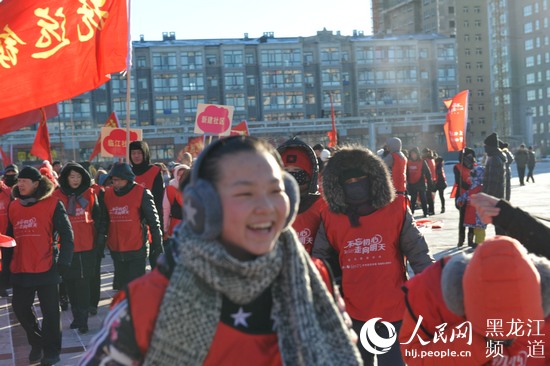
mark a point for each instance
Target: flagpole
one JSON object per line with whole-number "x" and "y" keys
{"x": 128, "y": 87}
{"x": 72, "y": 131}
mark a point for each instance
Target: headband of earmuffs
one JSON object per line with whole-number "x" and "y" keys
{"x": 202, "y": 210}
{"x": 453, "y": 273}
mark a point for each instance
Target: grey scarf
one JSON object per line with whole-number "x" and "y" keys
{"x": 309, "y": 327}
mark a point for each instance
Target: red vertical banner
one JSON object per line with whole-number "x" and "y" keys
{"x": 41, "y": 146}
{"x": 456, "y": 122}
{"x": 5, "y": 158}
{"x": 332, "y": 135}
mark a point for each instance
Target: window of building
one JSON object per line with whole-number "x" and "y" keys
{"x": 481, "y": 107}
{"x": 141, "y": 61}
{"x": 465, "y": 9}
{"x": 468, "y": 79}
{"x": 211, "y": 60}
{"x": 467, "y": 51}
{"x": 467, "y": 65}
{"x": 101, "y": 107}
{"x": 481, "y": 120}
{"x": 190, "y": 102}
{"x": 165, "y": 82}
{"x": 479, "y": 79}
{"x": 477, "y": 37}
{"x": 191, "y": 60}
{"x": 528, "y": 44}
{"x": 479, "y": 65}
{"x": 466, "y": 24}
{"x": 531, "y": 95}
{"x": 250, "y": 58}
{"x": 308, "y": 58}
{"x": 330, "y": 55}
{"x": 477, "y": 9}
{"x": 423, "y": 52}
{"x": 166, "y": 104}
{"x": 143, "y": 83}
{"x": 529, "y": 61}
{"x": 480, "y": 92}
{"x": 233, "y": 58}
{"x": 330, "y": 77}
{"x": 451, "y": 9}
{"x": 252, "y": 101}
{"x": 451, "y": 23}
{"x": 233, "y": 80}
{"x": 236, "y": 100}
{"x": 164, "y": 60}
{"x": 479, "y": 51}
{"x": 528, "y": 28}
{"x": 192, "y": 81}
{"x": 466, "y": 37}
{"x": 282, "y": 100}
{"x": 144, "y": 105}
{"x": 119, "y": 106}
{"x": 212, "y": 81}
{"x": 281, "y": 57}
{"x": 477, "y": 23}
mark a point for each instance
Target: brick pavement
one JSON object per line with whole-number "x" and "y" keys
{"x": 14, "y": 349}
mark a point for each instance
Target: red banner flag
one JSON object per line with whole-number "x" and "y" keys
{"x": 25, "y": 119}
{"x": 112, "y": 121}
{"x": 457, "y": 120}
{"x": 240, "y": 129}
{"x": 194, "y": 146}
{"x": 52, "y": 50}
{"x": 41, "y": 146}
{"x": 5, "y": 158}
{"x": 332, "y": 135}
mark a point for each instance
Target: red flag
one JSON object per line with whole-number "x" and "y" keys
{"x": 194, "y": 146}
{"x": 240, "y": 129}
{"x": 5, "y": 158}
{"x": 52, "y": 50}
{"x": 332, "y": 135}
{"x": 25, "y": 119}
{"x": 41, "y": 146}
{"x": 456, "y": 121}
{"x": 112, "y": 121}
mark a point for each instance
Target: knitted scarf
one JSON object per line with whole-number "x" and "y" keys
{"x": 309, "y": 326}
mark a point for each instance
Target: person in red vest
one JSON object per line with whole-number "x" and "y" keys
{"x": 397, "y": 164}
{"x": 237, "y": 287}
{"x": 6, "y": 252}
{"x": 147, "y": 174}
{"x": 82, "y": 206}
{"x": 34, "y": 216}
{"x": 366, "y": 233}
{"x": 173, "y": 199}
{"x": 300, "y": 161}
{"x": 128, "y": 209}
{"x": 418, "y": 173}
{"x": 494, "y": 297}
{"x": 463, "y": 181}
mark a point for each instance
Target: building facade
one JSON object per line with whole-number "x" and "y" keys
{"x": 273, "y": 83}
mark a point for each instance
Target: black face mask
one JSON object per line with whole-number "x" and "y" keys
{"x": 468, "y": 161}
{"x": 10, "y": 180}
{"x": 358, "y": 192}
{"x": 301, "y": 177}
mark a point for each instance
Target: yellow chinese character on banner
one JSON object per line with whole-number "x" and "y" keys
{"x": 50, "y": 28}
{"x": 89, "y": 14}
{"x": 8, "y": 49}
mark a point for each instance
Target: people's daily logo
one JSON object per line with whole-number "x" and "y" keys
{"x": 372, "y": 341}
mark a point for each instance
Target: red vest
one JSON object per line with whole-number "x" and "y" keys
{"x": 146, "y": 294}
{"x": 399, "y": 172}
{"x": 32, "y": 230}
{"x": 82, "y": 223}
{"x": 5, "y": 199}
{"x": 174, "y": 195}
{"x": 414, "y": 171}
{"x": 464, "y": 177}
{"x": 148, "y": 178}
{"x": 373, "y": 269}
{"x": 307, "y": 223}
{"x": 125, "y": 232}
{"x": 431, "y": 166}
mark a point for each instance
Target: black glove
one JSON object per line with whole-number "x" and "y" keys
{"x": 154, "y": 253}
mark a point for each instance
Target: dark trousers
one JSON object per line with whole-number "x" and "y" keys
{"x": 95, "y": 284}
{"x": 422, "y": 194}
{"x": 392, "y": 357}
{"x": 530, "y": 173}
{"x": 7, "y": 254}
{"x": 521, "y": 174}
{"x": 430, "y": 202}
{"x": 128, "y": 270}
{"x": 441, "y": 193}
{"x": 78, "y": 290}
{"x": 47, "y": 337}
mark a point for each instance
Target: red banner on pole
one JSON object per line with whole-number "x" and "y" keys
{"x": 456, "y": 121}
{"x": 53, "y": 50}
{"x": 112, "y": 122}
{"x": 41, "y": 146}
{"x": 332, "y": 135}
{"x": 240, "y": 129}
{"x": 17, "y": 122}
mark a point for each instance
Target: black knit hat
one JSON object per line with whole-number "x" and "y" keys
{"x": 11, "y": 168}
{"x": 123, "y": 171}
{"x": 31, "y": 173}
{"x": 492, "y": 140}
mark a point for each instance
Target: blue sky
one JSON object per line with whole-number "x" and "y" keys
{"x": 204, "y": 19}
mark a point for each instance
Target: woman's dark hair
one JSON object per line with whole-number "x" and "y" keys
{"x": 209, "y": 169}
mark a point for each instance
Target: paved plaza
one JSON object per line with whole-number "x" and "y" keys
{"x": 14, "y": 350}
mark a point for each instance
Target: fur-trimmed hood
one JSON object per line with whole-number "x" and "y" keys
{"x": 356, "y": 157}
{"x": 296, "y": 145}
{"x": 45, "y": 189}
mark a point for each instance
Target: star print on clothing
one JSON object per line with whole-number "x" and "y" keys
{"x": 240, "y": 318}
{"x": 190, "y": 212}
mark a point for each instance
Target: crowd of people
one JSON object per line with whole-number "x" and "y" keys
{"x": 263, "y": 255}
